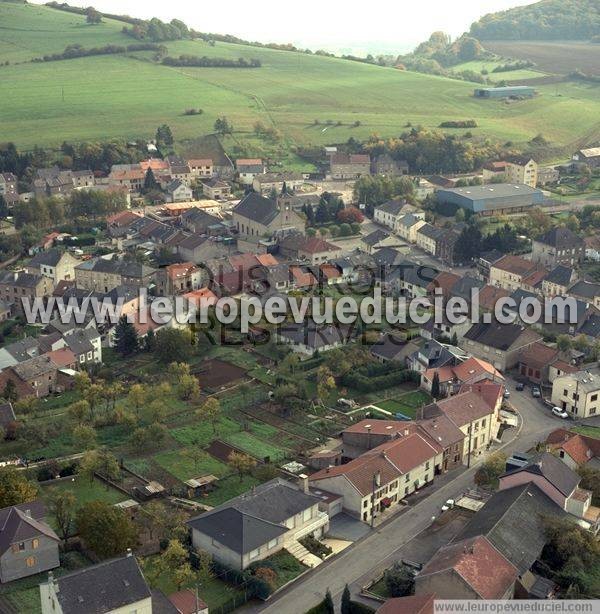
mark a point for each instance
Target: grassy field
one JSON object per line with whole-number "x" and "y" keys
{"x": 489, "y": 65}
{"x": 128, "y": 96}
{"x": 554, "y": 57}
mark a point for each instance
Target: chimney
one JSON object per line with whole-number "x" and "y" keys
{"x": 304, "y": 482}
{"x": 28, "y": 513}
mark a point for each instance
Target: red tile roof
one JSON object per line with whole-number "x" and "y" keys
{"x": 471, "y": 403}
{"x": 538, "y": 355}
{"x": 123, "y": 218}
{"x": 62, "y": 358}
{"x": 413, "y": 604}
{"x": 515, "y": 264}
{"x": 478, "y": 563}
{"x": 186, "y": 603}
{"x": 409, "y": 452}
{"x": 579, "y": 447}
{"x": 445, "y": 281}
{"x": 180, "y": 269}
{"x": 489, "y": 296}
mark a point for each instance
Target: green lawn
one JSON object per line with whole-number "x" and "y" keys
{"x": 85, "y": 491}
{"x": 212, "y": 591}
{"x": 229, "y": 487}
{"x": 254, "y": 446}
{"x": 590, "y": 431}
{"x": 128, "y": 96}
{"x": 406, "y": 404}
{"x": 183, "y": 468}
{"x": 202, "y": 433}
{"x": 286, "y": 567}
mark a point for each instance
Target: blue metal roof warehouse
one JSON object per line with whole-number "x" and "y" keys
{"x": 505, "y": 92}
{"x": 493, "y": 198}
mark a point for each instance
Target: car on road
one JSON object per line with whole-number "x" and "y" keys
{"x": 560, "y": 413}
{"x": 520, "y": 387}
{"x": 536, "y": 393}
{"x": 506, "y": 394}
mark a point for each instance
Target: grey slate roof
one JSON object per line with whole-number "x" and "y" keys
{"x": 512, "y": 521}
{"x": 22, "y": 522}
{"x": 591, "y": 327}
{"x": 585, "y": 289}
{"x": 554, "y": 470}
{"x": 560, "y": 275}
{"x": 375, "y": 237}
{"x": 102, "y": 588}
{"x": 498, "y": 336}
{"x": 254, "y": 518}
{"x": 393, "y": 207}
{"x": 315, "y": 336}
{"x": 430, "y": 231}
{"x": 561, "y": 238}
{"x": 50, "y": 257}
{"x": 463, "y": 287}
{"x": 257, "y": 208}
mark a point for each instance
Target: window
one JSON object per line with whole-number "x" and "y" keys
{"x": 22, "y": 546}
{"x": 35, "y": 544}
{"x": 272, "y": 543}
{"x": 407, "y": 478}
{"x": 30, "y": 561}
{"x": 365, "y": 503}
{"x": 594, "y": 397}
{"x": 406, "y": 491}
{"x": 307, "y": 514}
{"x": 254, "y": 553}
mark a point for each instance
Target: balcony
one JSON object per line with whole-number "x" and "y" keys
{"x": 315, "y": 523}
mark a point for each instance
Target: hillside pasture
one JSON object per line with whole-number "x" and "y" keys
{"x": 553, "y": 57}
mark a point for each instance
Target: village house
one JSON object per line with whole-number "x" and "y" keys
{"x": 493, "y": 171}
{"x": 408, "y": 226}
{"x": 389, "y": 213}
{"x": 259, "y": 523}
{"x": 382, "y": 477}
{"x": 521, "y": 170}
{"x": 178, "y": 192}
{"x": 512, "y": 520}
{"x": 216, "y": 189}
{"x": 535, "y": 362}
{"x": 376, "y": 240}
{"x": 178, "y": 279}
{"x": 558, "y": 482}
{"x": 18, "y": 285}
{"x": 199, "y": 221}
{"x": 574, "y": 449}
{"x": 179, "y": 169}
{"x": 105, "y": 274}
{"x": 428, "y": 237}
{"x": 28, "y": 545}
{"x": 8, "y": 184}
{"x": 577, "y": 393}
{"x": 453, "y": 377}
{"x": 259, "y": 217}
{"x": 392, "y": 347}
{"x": 411, "y": 604}
{"x": 54, "y": 264}
{"x": 349, "y": 166}
{"x": 590, "y": 157}
{"x": 384, "y": 164}
{"x": 475, "y": 411}
{"x": 510, "y": 271}
{"x": 307, "y": 337}
{"x": 557, "y": 282}
{"x": 267, "y": 183}
{"x": 248, "y": 169}
{"x": 201, "y": 168}
{"x": 131, "y": 177}
{"x": 468, "y": 569}
{"x": 558, "y": 246}
{"x": 308, "y": 249}
{"x": 587, "y": 292}
{"x": 498, "y": 344}
{"x": 86, "y": 345}
{"x": 547, "y": 175}
{"x": 114, "y": 586}
{"x": 39, "y": 374}
{"x": 432, "y": 354}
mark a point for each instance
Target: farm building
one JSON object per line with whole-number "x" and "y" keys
{"x": 511, "y": 91}
{"x": 493, "y": 199}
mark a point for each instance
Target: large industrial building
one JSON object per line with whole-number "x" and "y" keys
{"x": 493, "y": 199}
{"x": 510, "y": 91}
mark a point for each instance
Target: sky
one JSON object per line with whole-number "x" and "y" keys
{"x": 335, "y": 25}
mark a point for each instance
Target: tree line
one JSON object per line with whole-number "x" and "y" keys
{"x": 78, "y": 51}
{"x": 206, "y": 62}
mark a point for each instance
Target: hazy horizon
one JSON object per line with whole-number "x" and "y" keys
{"x": 384, "y": 27}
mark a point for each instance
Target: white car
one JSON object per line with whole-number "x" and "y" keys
{"x": 560, "y": 413}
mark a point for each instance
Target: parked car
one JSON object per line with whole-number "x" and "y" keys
{"x": 506, "y": 394}
{"x": 520, "y": 386}
{"x": 536, "y": 392}
{"x": 560, "y": 413}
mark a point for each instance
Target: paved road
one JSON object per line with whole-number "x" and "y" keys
{"x": 366, "y": 556}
